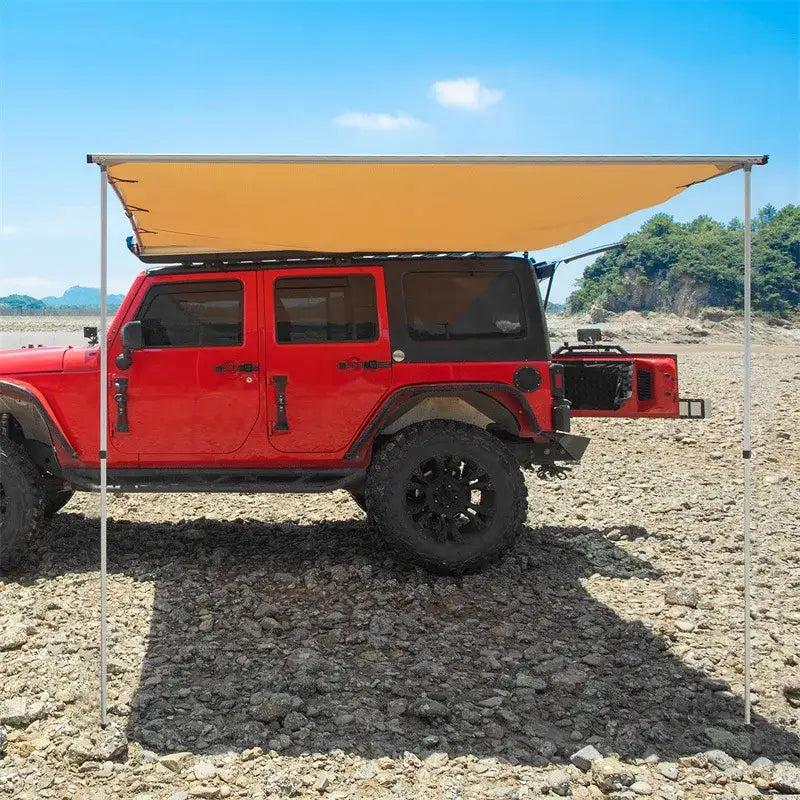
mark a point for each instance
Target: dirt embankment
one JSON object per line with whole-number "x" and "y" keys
{"x": 713, "y": 326}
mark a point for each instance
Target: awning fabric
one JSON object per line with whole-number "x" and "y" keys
{"x": 195, "y": 205}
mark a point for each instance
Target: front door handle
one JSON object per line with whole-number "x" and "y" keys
{"x": 281, "y": 420}
{"x": 231, "y": 367}
{"x": 121, "y": 399}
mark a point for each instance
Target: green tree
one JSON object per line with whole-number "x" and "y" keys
{"x": 669, "y": 265}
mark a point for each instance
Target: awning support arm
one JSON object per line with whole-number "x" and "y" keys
{"x": 746, "y": 440}
{"x": 103, "y": 444}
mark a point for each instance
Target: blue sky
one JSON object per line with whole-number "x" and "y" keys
{"x": 568, "y": 77}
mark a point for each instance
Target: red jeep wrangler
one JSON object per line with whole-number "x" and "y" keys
{"x": 421, "y": 384}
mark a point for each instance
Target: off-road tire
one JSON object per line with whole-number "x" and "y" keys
{"x": 21, "y": 503}
{"x": 55, "y": 501}
{"x": 400, "y": 466}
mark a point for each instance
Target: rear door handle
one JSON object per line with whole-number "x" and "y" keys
{"x": 355, "y": 363}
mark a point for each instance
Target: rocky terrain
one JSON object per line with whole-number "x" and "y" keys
{"x": 265, "y": 647}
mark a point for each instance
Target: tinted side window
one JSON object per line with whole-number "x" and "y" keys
{"x": 463, "y": 305}
{"x": 339, "y": 308}
{"x": 201, "y": 314}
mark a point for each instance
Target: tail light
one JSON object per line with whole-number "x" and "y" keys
{"x": 560, "y": 403}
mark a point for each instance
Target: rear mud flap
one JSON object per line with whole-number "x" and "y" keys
{"x": 572, "y": 447}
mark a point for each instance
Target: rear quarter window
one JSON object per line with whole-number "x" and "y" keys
{"x": 442, "y": 306}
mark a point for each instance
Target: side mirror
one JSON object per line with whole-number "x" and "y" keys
{"x": 132, "y": 337}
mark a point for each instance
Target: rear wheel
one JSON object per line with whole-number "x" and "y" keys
{"x": 21, "y": 503}
{"x": 447, "y": 496}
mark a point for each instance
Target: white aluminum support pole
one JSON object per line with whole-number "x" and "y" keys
{"x": 746, "y": 442}
{"x": 103, "y": 443}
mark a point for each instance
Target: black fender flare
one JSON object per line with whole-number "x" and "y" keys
{"x": 34, "y": 417}
{"x": 406, "y": 392}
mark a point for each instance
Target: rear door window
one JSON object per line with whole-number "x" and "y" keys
{"x": 317, "y": 310}
{"x": 441, "y": 306}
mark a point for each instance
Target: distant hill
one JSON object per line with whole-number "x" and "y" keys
{"x": 21, "y": 302}
{"x": 683, "y": 267}
{"x": 81, "y": 297}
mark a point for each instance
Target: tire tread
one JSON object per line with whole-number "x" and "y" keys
{"x": 382, "y": 474}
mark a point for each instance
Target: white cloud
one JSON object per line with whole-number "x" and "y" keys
{"x": 369, "y": 121}
{"x": 468, "y": 94}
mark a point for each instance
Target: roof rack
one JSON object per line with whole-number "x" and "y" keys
{"x": 222, "y": 260}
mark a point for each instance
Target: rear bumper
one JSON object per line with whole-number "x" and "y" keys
{"x": 558, "y": 447}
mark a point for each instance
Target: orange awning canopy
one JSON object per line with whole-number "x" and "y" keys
{"x": 183, "y": 206}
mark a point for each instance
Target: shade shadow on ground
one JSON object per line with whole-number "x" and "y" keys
{"x": 262, "y": 631}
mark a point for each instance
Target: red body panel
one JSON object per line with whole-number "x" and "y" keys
{"x": 26, "y": 360}
{"x": 193, "y": 407}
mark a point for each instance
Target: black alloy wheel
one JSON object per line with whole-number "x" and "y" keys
{"x": 446, "y": 495}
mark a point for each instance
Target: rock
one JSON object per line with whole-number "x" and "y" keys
{"x": 294, "y": 721}
{"x": 720, "y": 759}
{"x": 250, "y": 628}
{"x": 669, "y": 770}
{"x": 396, "y": 708}
{"x": 786, "y": 778}
{"x": 12, "y": 639}
{"x": 436, "y": 760}
{"x": 175, "y": 762}
{"x": 559, "y": 783}
{"x": 204, "y": 791}
{"x": 525, "y": 681}
{"x": 80, "y": 750}
{"x": 585, "y": 756}
{"x": 641, "y": 788}
{"x": 18, "y": 712}
{"x": 111, "y": 744}
{"x": 736, "y": 744}
{"x": 792, "y": 694}
{"x": 611, "y": 775}
{"x": 431, "y": 709}
{"x": 204, "y": 771}
{"x": 681, "y": 596}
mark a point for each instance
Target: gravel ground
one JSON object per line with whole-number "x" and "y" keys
{"x": 265, "y": 647}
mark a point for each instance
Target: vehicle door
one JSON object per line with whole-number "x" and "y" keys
{"x": 194, "y": 387}
{"x": 328, "y": 354}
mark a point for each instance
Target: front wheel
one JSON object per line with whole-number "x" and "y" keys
{"x": 447, "y": 496}
{"x": 21, "y": 503}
